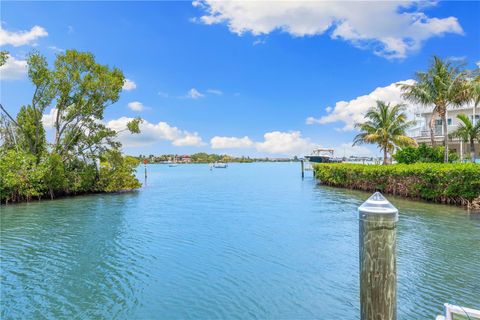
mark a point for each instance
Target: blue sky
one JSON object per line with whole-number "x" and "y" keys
{"x": 251, "y": 78}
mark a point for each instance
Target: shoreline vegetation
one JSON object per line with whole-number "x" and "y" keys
{"x": 84, "y": 155}
{"x": 453, "y": 183}
{"x": 202, "y": 157}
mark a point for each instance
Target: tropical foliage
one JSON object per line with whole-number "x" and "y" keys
{"x": 76, "y": 90}
{"x": 442, "y": 86}
{"x": 468, "y": 132}
{"x": 385, "y": 126}
{"x": 447, "y": 183}
{"x": 423, "y": 153}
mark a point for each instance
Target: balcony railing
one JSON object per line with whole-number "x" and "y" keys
{"x": 425, "y": 132}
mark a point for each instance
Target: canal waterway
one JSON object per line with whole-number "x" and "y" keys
{"x": 253, "y": 241}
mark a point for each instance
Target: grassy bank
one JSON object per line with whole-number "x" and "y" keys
{"x": 437, "y": 182}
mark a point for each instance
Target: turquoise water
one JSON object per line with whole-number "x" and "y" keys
{"x": 251, "y": 241}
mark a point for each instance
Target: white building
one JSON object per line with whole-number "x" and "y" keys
{"x": 421, "y": 131}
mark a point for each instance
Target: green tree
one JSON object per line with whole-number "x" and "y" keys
{"x": 3, "y": 57}
{"x": 77, "y": 90}
{"x": 468, "y": 132}
{"x": 385, "y": 126}
{"x": 117, "y": 172}
{"x": 32, "y": 135}
{"x": 441, "y": 86}
{"x": 29, "y": 133}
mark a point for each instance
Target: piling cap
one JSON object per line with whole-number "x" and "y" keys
{"x": 378, "y": 205}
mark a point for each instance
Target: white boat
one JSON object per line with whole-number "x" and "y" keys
{"x": 322, "y": 155}
{"x": 220, "y": 165}
{"x": 174, "y": 163}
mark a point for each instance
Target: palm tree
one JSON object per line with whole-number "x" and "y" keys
{"x": 475, "y": 94}
{"x": 442, "y": 86}
{"x": 385, "y": 126}
{"x": 468, "y": 132}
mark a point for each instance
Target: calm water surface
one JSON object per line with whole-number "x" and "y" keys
{"x": 250, "y": 241}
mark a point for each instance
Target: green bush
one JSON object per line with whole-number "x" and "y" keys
{"x": 23, "y": 179}
{"x": 117, "y": 173}
{"x": 20, "y": 177}
{"x": 423, "y": 153}
{"x": 448, "y": 183}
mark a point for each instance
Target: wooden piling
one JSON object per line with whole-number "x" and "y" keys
{"x": 145, "y": 168}
{"x": 303, "y": 168}
{"x": 378, "y": 271}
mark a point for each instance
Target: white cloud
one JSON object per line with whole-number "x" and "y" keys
{"x": 351, "y": 112}
{"x": 215, "y": 91}
{"x": 347, "y": 150}
{"x": 152, "y": 133}
{"x": 392, "y": 29}
{"x": 285, "y": 143}
{"x": 129, "y": 85}
{"x": 163, "y": 94}
{"x": 258, "y": 42}
{"x": 48, "y": 119}
{"x": 194, "y": 94}
{"x": 230, "y": 142}
{"x": 20, "y": 38}
{"x": 56, "y": 49}
{"x": 136, "y": 106}
{"x": 13, "y": 69}
{"x": 275, "y": 142}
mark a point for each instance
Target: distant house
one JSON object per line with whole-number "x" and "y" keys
{"x": 421, "y": 131}
{"x": 184, "y": 159}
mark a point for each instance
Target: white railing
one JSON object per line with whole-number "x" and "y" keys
{"x": 425, "y": 132}
{"x": 451, "y": 310}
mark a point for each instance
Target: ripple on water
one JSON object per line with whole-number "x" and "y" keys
{"x": 253, "y": 241}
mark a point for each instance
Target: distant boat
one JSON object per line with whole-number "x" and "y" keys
{"x": 220, "y": 165}
{"x": 174, "y": 163}
{"x": 322, "y": 156}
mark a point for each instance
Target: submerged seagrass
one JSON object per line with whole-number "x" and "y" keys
{"x": 445, "y": 183}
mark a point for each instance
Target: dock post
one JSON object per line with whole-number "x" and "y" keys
{"x": 303, "y": 169}
{"x": 378, "y": 267}
{"x": 145, "y": 167}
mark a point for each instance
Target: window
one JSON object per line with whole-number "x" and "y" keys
{"x": 477, "y": 117}
{"x": 449, "y": 121}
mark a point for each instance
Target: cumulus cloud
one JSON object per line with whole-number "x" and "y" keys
{"x": 13, "y": 69}
{"x": 21, "y": 38}
{"x": 351, "y": 112}
{"x": 129, "y": 85}
{"x": 194, "y": 94}
{"x": 152, "y": 133}
{"x": 230, "y": 142}
{"x": 391, "y": 29}
{"x": 275, "y": 142}
{"x": 284, "y": 143}
{"x": 136, "y": 106}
